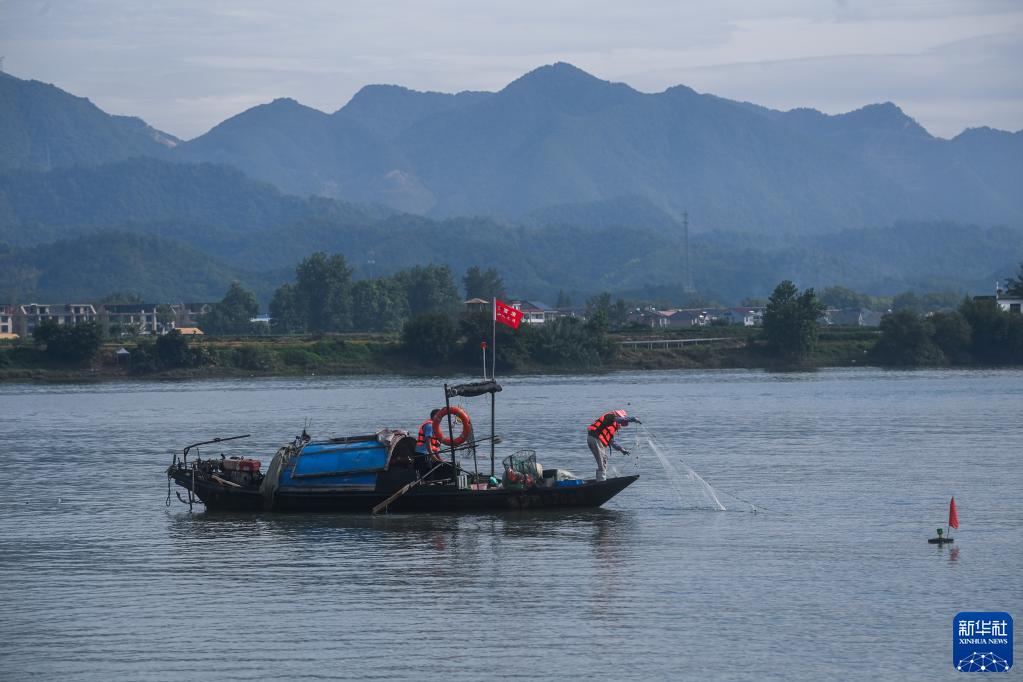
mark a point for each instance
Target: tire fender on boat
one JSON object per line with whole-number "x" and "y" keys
{"x": 463, "y": 418}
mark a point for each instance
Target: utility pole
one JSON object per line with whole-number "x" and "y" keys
{"x": 1, "y": 64}
{"x": 688, "y": 288}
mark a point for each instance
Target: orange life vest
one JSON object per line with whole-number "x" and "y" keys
{"x": 421, "y": 440}
{"x": 604, "y": 427}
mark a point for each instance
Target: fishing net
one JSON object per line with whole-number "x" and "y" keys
{"x": 689, "y": 488}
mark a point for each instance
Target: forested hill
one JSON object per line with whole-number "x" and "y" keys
{"x": 189, "y": 201}
{"x": 43, "y": 127}
{"x": 88, "y": 268}
{"x": 559, "y": 144}
{"x": 728, "y": 267}
{"x": 146, "y": 226}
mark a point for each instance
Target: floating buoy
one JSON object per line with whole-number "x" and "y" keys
{"x": 953, "y": 522}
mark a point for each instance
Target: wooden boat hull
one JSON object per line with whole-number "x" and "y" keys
{"x": 425, "y": 498}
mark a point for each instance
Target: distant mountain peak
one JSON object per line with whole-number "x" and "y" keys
{"x": 558, "y": 73}
{"x": 270, "y": 113}
{"x": 680, "y": 89}
{"x": 984, "y": 132}
{"x": 371, "y": 98}
{"x": 387, "y": 110}
{"x": 565, "y": 85}
{"x": 284, "y": 103}
{"x": 377, "y": 89}
{"x": 275, "y": 108}
{"x": 883, "y": 116}
{"x": 560, "y": 69}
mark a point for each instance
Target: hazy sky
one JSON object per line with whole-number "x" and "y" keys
{"x": 186, "y": 65}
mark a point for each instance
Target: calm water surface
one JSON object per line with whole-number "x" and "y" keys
{"x": 100, "y": 580}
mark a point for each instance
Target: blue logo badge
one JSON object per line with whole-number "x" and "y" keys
{"x": 982, "y": 642}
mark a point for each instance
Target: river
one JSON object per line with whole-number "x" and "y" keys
{"x": 851, "y": 471}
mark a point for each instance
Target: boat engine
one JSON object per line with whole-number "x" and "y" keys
{"x": 241, "y": 470}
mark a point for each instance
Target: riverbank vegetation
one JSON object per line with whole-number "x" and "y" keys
{"x": 978, "y": 333}
{"x": 318, "y": 313}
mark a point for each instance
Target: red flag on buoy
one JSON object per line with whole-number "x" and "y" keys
{"x": 953, "y": 518}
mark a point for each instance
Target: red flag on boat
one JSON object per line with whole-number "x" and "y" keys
{"x": 953, "y": 518}
{"x": 505, "y": 314}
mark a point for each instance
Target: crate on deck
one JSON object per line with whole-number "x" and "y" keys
{"x": 521, "y": 470}
{"x": 241, "y": 464}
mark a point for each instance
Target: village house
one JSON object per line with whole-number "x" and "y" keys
{"x": 851, "y": 317}
{"x": 187, "y": 314}
{"x": 136, "y": 318}
{"x": 535, "y": 312}
{"x": 7, "y": 320}
{"x": 21, "y": 320}
{"x": 692, "y": 317}
{"x": 1010, "y": 304}
{"x": 696, "y": 317}
{"x": 746, "y": 317}
{"x": 651, "y": 317}
{"x": 28, "y": 316}
{"x": 144, "y": 318}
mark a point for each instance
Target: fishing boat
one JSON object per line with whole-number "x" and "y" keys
{"x": 381, "y": 472}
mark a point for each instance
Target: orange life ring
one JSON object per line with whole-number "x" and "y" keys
{"x": 459, "y": 414}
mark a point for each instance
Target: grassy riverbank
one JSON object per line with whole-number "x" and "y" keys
{"x": 355, "y": 354}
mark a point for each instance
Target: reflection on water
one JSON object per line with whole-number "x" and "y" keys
{"x": 99, "y": 580}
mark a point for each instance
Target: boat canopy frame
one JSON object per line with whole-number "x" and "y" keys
{"x": 472, "y": 389}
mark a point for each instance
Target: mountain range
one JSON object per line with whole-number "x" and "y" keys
{"x": 526, "y": 179}
{"x": 558, "y": 139}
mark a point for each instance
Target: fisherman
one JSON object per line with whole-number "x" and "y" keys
{"x": 601, "y": 433}
{"x": 426, "y": 443}
{"x": 428, "y": 461}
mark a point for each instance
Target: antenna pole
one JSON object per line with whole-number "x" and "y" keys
{"x": 689, "y": 288}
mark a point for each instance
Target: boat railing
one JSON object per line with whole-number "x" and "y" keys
{"x": 188, "y": 448}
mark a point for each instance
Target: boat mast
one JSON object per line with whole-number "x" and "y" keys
{"x": 493, "y": 377}
{"x": 493, "y": 410}
{"x": 451, "y": 433}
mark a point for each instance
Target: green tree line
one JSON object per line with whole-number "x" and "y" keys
{"x": 324, "y": 298}
{"x": 423, "y": 304}
{"x": 979, "y": 332}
